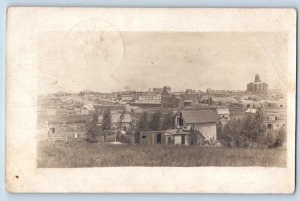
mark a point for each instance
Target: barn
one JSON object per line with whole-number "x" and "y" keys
{"x": 204, "y": 120}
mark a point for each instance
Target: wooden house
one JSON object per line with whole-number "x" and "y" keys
{"x": 152, "y": 137}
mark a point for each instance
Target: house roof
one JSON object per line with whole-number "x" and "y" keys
{"x": 68, "y": 119}
{"x": 88, "y": 107}
{"x": 200, "y": 116}
{"x": 111, "y": 107}
{"x": 223, "y": 111}
{"x": 251, "y": 110}
{"x": 115, "y": 118}
{"x": 178, "y": 97}
{"x": 176, "y": 132}
{"x": 126, "y": 118}
{"x": 188, "y": 101}
{"x": 236, "y": 112}
{"x": 224, "y": 99}
{"x": 256, "y": 83}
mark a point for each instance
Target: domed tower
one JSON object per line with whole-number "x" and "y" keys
{"x": 257, "y": 78}
{"x": 257, "y": 87}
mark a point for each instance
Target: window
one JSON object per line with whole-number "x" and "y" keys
{"x": 276, "y": 118}
{"x": 53, "y": 130}
{"x": 144, "y": 137}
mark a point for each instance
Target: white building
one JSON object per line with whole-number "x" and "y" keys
{"x": 126, "y": 98}
{"x": 147, "y": 97}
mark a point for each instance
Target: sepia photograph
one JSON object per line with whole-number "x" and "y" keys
{"x": 151, "y": 100}
{"x": 156, "y": 99}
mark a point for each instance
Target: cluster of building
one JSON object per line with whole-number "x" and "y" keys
{"x": 65, "y": 115}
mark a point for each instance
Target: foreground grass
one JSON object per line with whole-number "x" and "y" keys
{"x": 84, "y": 154}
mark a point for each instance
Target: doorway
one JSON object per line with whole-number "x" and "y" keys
{"x": 158, "y": 138}
{"x": 182, "y": 139}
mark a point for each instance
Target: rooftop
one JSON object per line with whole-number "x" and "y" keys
{"x": 176, "y": 132}
{"x": 200, "y": 116}
{"x": 223, "y": 111}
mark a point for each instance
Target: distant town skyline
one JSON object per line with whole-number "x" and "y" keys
{"x": 142, "y": 60}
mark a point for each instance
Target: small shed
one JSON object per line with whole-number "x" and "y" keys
{"x": 152, "y": 137}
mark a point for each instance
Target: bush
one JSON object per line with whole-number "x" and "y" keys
{"x": 124, "y": 138}
{"x": 274, "y": 140}
{"x": 249, "y": 132}
{"x": 194, "y": 137}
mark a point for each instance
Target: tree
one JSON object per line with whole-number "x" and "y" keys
{"x": 269, "y": 139}
{"x": 130, "y": 134}
{"x": 154, "y": 124}
{"x": 281, "y": 137}
{"x": 93, "y": 130}
{"x": 120, "y": 120}
{"x": 231, "y": 135}
{"x": 254, "y": 128}
{"x": 275, "y": 140}
{"x": 238, "y": 138}
{"x": 194, "y": 136}
{"x": 168, "y": 121}
{"x": 143, "y": 123}
{"x": 219, "y": 130}
{"x": 106, "y": 121}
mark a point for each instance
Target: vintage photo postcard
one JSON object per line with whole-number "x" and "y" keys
{"x": 159, "y": 100}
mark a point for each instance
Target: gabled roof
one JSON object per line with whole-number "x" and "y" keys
{"x": 126, "y": 118}
{"x": 200, "y": 116}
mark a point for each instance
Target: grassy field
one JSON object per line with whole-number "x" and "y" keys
{"x": 84, "y": 154}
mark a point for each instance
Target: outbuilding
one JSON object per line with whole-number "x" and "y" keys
{"x": 152, "y": 137}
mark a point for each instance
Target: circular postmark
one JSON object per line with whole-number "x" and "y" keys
{"x": 92, "y": 45}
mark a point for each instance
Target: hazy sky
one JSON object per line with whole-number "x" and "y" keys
{"x": 141, "y": 60}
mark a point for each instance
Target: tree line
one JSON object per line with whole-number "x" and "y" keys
{"x": 250, "y": 132}
{"x": 154, "y": 122}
